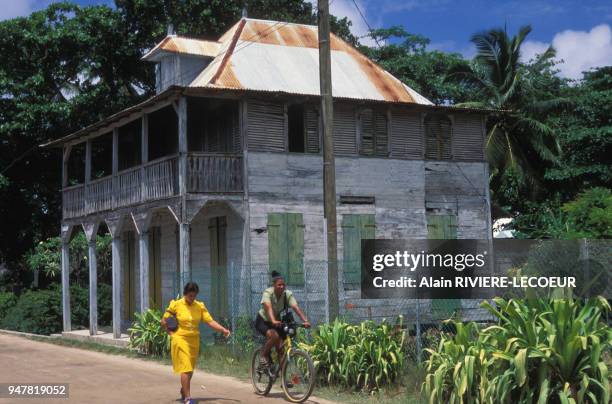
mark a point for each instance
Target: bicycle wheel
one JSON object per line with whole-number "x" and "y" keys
{"x": 261, "y": 380}
{"x": 298, "y": 376}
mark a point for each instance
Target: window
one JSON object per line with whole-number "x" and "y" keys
{"x": 443, "y": 227}
{"x": 286, "y": 246}
{"x": 354, "y": 229}
{"x": 373, "y": 133}
{"x": 213, "y": 125}
{"x": 102, "y": 156}
{"x": 129, "y": 144}
{"x": 163, "y": 133}
{"x": 303, "y": 128}
{"x": 438, "y": 129}
{"x": 297, "y": 135}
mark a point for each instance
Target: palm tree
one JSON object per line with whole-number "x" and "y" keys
{"x": 519, "y": 141}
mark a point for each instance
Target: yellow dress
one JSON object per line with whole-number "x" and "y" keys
{"x": 185, "y": 342}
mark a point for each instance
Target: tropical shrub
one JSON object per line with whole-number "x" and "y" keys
{"x": 40, "y": 311}
{"x": 366, "y": 356}
{"x": 147, "y": 334}
{"x": 7, "y": 300}
{"x": 549, "y": 351}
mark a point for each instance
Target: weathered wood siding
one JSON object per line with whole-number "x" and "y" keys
{"x": 459, "y": 188}
{"x": 406, "y": 135}
{"x": 468, "y": 138}
{"x": 266, "y": 126}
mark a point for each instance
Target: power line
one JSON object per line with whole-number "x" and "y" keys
{"x": 366, "y": 22}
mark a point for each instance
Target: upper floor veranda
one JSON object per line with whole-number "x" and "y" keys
{"x": 187, "y": 142}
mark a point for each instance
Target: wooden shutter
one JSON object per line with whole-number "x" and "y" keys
{"x": 128, "y": 269}
{"x": 406, "y": 135}
{"x": 345, "y": 139}
{"x": 277, "y": 242}
{"x": 312, "y": 130}
{"x": 295, "y": 250}
{"x": 236, "y": 140}
{"x": 351, "y": 241}
{"x": 354, "y": 229}
{"x": 286, "y": 246}
{"x": 438, "y": 143}
{"x": 443, "y": 227}
{"x": 366, "y": 132}
{"x": 218, "y": 262}
{"x": 381, "y": 137}
{"x": 266, "y": 126}
{"x": 468, "y": 139}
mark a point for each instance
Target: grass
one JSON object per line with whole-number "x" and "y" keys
{"x": 220, "y": 360}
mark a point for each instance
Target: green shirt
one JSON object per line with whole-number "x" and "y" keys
{"x": 278, "y": 305}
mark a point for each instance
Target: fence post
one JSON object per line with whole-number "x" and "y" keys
{"x": 232, "y": 307}
{"x": 418, "y": 330}
{"x": 306, "y": 298}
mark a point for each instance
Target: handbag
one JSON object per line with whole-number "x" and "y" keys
{"x": 172, "y": 322}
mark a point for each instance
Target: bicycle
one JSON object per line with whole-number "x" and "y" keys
{"x": 297, "y": 371}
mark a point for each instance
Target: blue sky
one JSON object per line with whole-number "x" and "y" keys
{"x": 580, "y": 30}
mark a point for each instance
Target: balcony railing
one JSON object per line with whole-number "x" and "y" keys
{"x": 206, "y": 173}
{"x": 209, "y": 172}
{"x": 154, "y": 180}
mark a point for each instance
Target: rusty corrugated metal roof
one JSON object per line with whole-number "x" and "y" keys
{"x": 264, "y": 55}
{"x": 189, "y": 46}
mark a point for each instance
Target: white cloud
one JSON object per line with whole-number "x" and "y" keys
{"x": 579, "y": 50}
{"x": 346, "y": 8}
{"x": 530, "y": 49}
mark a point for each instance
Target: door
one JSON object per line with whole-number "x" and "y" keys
{"x": 129, "y": 275}
{"x": 443, "y": 227}
{"x": 217, "y": 228}
{"x": 155, "y": 296}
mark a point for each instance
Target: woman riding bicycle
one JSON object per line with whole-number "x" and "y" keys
{"x": 274, "y": 301}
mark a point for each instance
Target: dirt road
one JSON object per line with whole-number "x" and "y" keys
{"x": 100, "y": 378}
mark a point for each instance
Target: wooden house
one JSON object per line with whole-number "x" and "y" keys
{"x": 223, "y": 166}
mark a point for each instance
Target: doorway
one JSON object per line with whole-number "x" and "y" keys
{"x": 217, "y": 227}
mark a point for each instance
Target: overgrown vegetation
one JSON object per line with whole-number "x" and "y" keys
{"x": 365, "y": 356}
{"x": 549, "y": 351}
{"x": 40, "y": 311}
{"x": 147, "y": 335}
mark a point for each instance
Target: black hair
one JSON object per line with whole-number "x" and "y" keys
{"x": 191, "y": 287}
{"x": 276, "y": 276}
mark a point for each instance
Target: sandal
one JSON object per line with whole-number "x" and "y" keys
{"x": 189, "y": 401}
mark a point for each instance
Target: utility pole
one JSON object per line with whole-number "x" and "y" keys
{"x": 329, "y": 170}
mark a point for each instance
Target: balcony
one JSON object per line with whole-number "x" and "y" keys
{"x": 206, "y": 173}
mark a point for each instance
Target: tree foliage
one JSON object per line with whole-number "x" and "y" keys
{"x": 66, "y": 67}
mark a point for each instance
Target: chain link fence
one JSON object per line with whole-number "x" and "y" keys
{"x": 233, "y": 296}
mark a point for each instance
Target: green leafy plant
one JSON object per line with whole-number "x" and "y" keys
{"x": 7, "y": 300}
{"x": 545, "y": 351}
{"x": 367, "y": 355}
{"x": 40, "y": 311}
{"x": 147, "y": 335}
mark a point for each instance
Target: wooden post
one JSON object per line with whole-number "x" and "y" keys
{"x": 144, "y": 156}
{"x": 114, "y": 227}
{"x": 184, "y": 228}
{"x": 143, "y": 243}
{"x": 142, "y": 222}
{"x": 328, "y": 158}
{"x": 88, "y": 204}
{"x": 91, "y": 231}
{"x": 65, "y": 157}
{"x": 115, "y": 166}
{"x": 65, "y": 236}
{"x": 184, "y": 255}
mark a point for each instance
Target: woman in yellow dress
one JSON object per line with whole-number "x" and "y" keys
{"x": 185, "y": 341}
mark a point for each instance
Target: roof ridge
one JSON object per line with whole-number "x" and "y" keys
{"x": 228, "y": 52}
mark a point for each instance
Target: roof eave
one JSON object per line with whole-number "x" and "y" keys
{"x": 169, "y": 92}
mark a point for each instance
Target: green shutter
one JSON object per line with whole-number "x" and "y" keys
{"x": 286, "y": 246}
{"x": 277, "y": 242}
{"x": 352, "y": 247}
{"x": 295, "y": 239}
{"x": 443, "y": 227}
{"x": 354, "y": 229}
